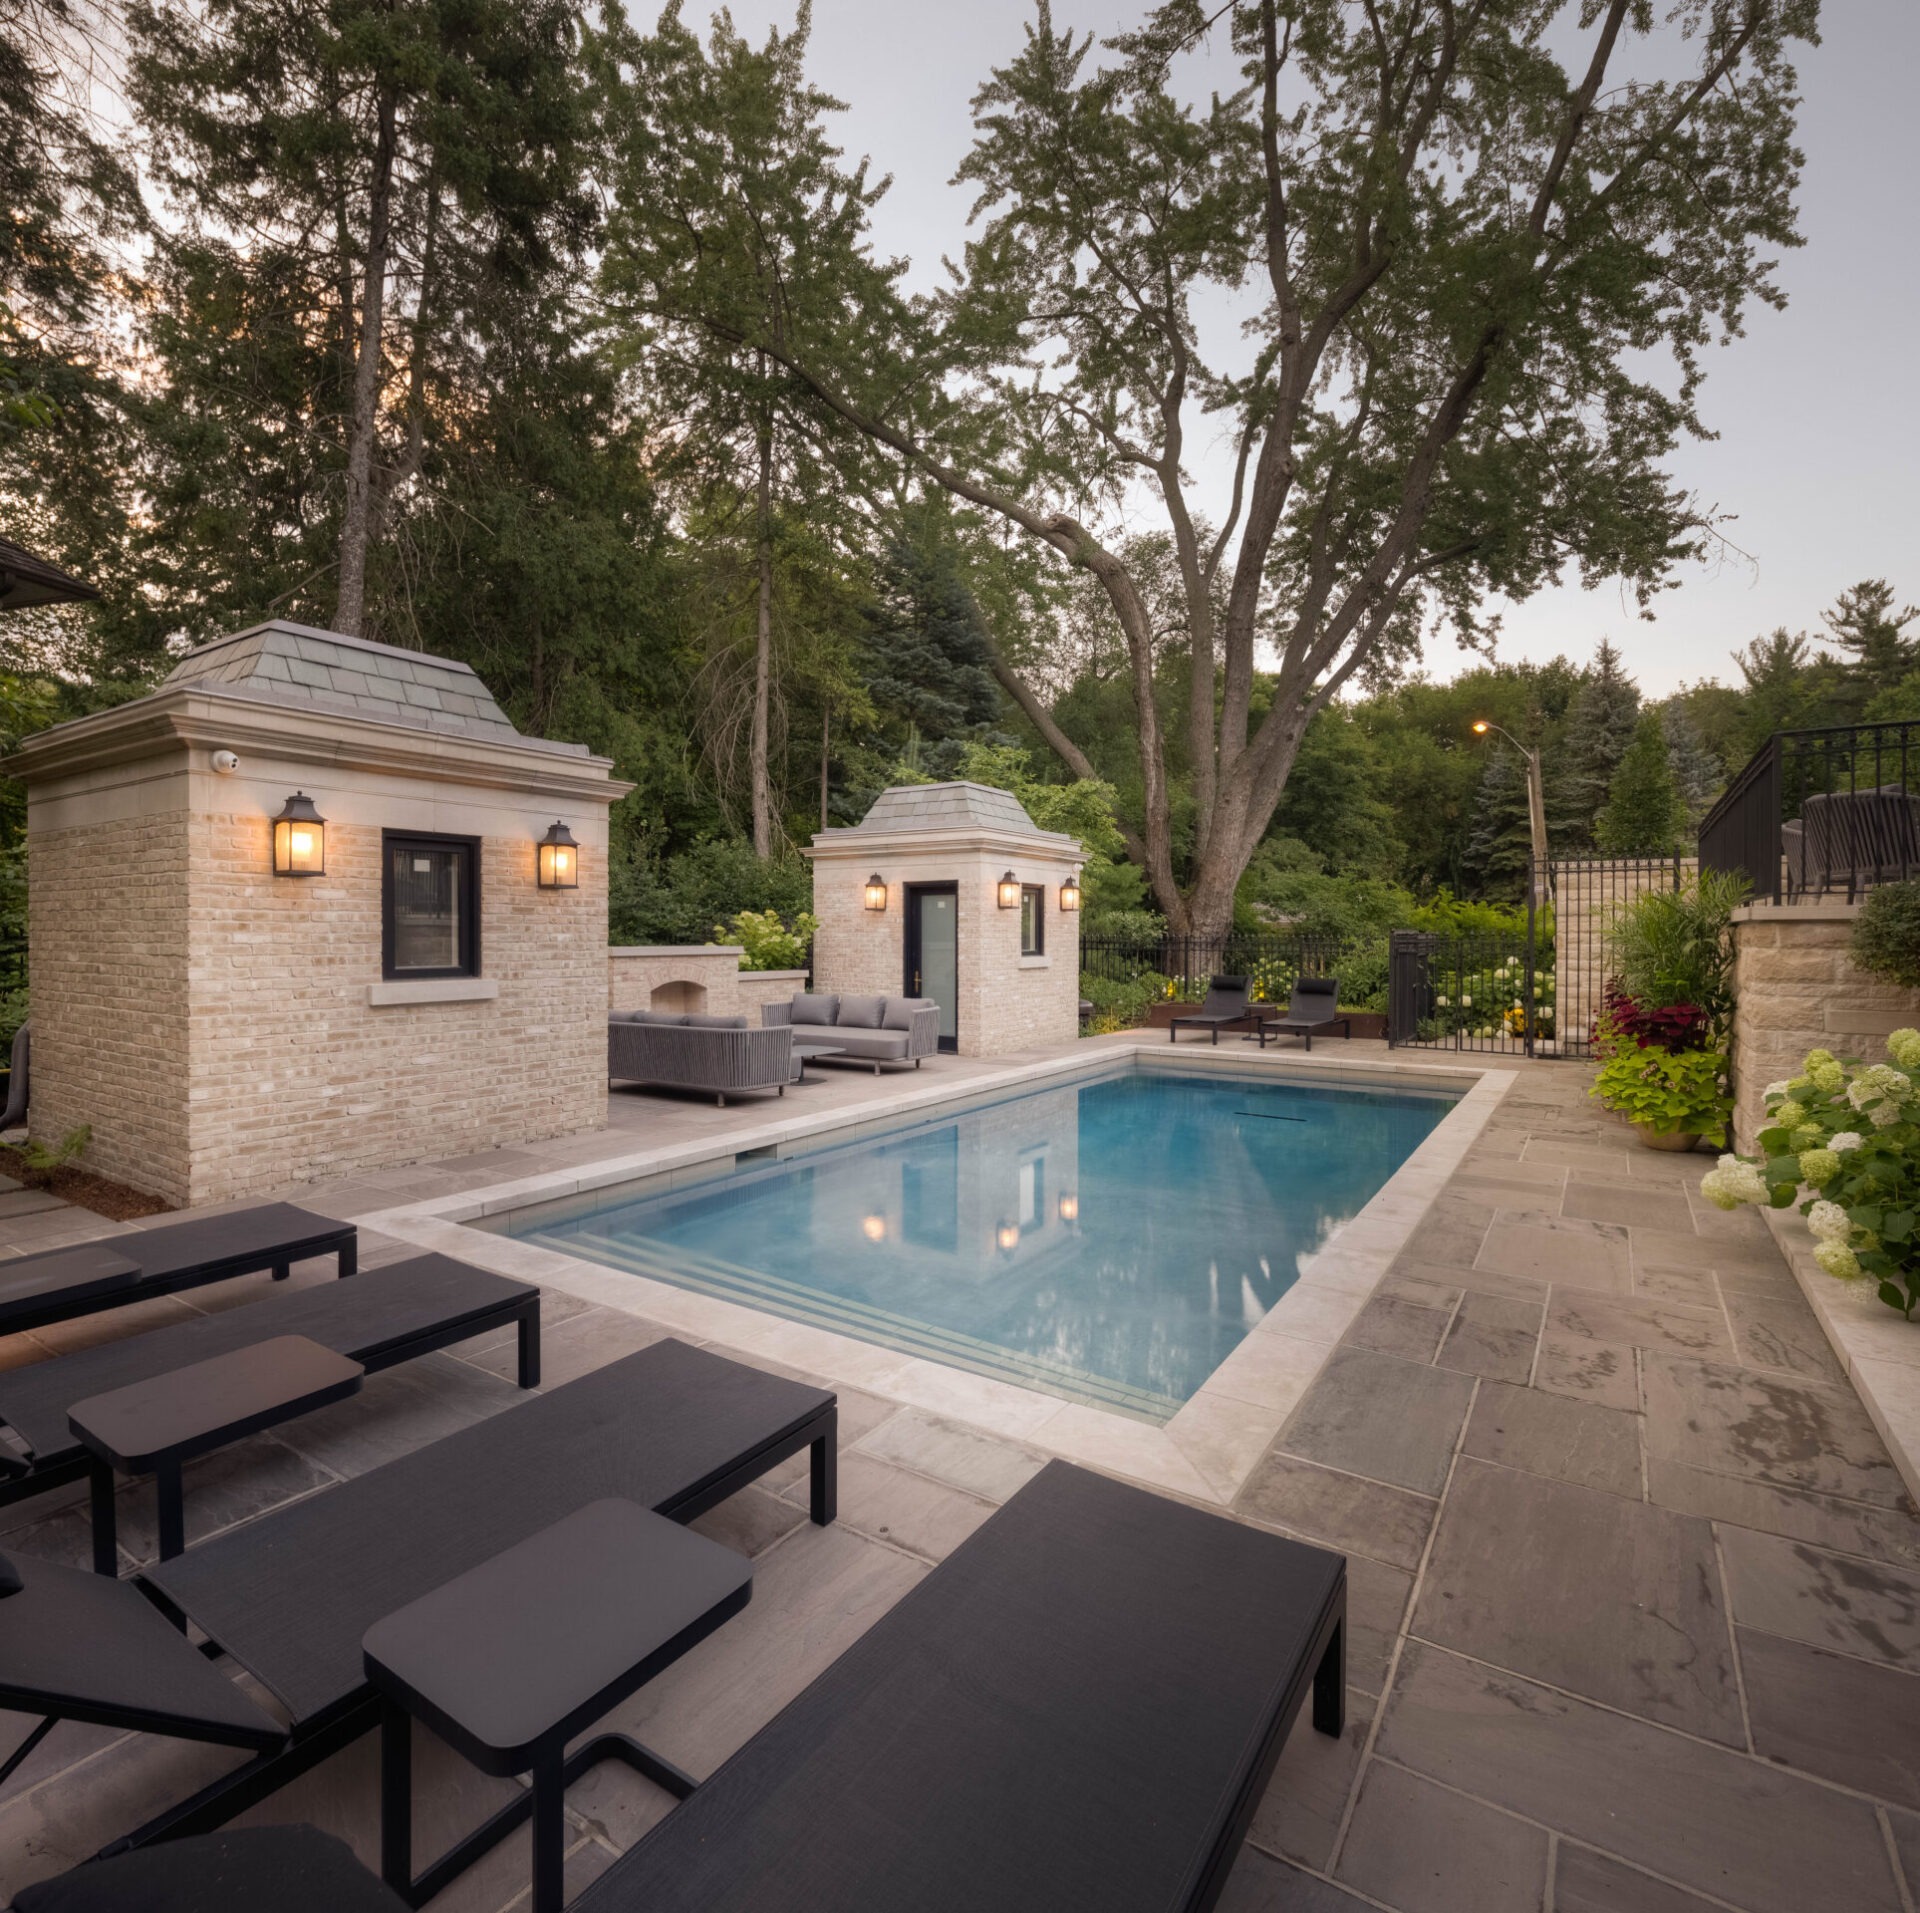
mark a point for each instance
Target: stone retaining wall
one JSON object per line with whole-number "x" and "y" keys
{"x": 1796, "y": 988}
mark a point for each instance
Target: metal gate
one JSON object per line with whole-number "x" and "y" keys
{"x": 1534, "y": 994}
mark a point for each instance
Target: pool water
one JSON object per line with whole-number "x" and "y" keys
{"x": 1109, "y": 1241}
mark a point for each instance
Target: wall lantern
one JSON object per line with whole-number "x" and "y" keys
{"x": 1009, "y": 892}
{"x": 299, "y": 839}
{"x": 874, "y": 1228}
{"x": 876, "y": 892}
{"x": 1008, "y": 1237}
{"x": 1070, "y": 893}
{"x": 559, "y": 860}
{"x": 1069, "y": 1207}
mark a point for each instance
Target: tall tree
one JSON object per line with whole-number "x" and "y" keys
{"x": 1600, "y": 726}
{"x": 390, "y": 165}
{"x": 1643, "y": 814}
{"x": 1697, "y": 776}
{"x": 1498, "y": 858}
{"x": 1878, "y": 647}
{"x": 1461, "y": 247}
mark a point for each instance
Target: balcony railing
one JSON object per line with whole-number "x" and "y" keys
{"x": 1826, "y": 813}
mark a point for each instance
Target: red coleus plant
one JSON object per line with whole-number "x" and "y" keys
{"x": 1674, "y": 1026}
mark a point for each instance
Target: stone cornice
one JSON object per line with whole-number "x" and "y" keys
{"x": 192, "y": 716}
{"x": 860, "y": 845}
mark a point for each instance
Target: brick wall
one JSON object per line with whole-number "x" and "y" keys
{"x": 295, "y": 1076}
{"x": 1796, "y": 988}
{"x": 107, "y": 918}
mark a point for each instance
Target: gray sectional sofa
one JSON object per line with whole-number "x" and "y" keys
{"x": 721, "y": 1055}
{"x": 864, "y": 1029}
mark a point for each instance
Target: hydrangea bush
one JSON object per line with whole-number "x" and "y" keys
{"x": 1848, "y": 1132}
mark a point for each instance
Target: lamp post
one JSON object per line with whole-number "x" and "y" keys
{"x": 1536, "y": 804}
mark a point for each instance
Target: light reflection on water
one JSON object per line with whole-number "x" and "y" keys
{"x": 1109, "y": 1241}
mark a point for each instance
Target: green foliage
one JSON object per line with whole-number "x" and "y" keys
{"x": 1120, "y": 1003}
{"x": 1600, "y": 727}
{"x": 680, "y": 899}
{"x": 1491, "y": 1001}
{"x": 1886, "y": 934}
{"x": 41, "y": 1159}
{"x": 767, "y": 943}
{"x": 1873, "y": 635}
{"x": 1670, "y": 1092}
{"x": 1498, "y": 858}
{"x": 1850, "y": 1133}
{"x": 1643, "y": 812}
{"x": 1676, "y": 946}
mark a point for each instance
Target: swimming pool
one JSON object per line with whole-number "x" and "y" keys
{"x": 1107, "y": 1241}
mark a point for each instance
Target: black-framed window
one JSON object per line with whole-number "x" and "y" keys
{"x": 1033, "y": 919}
{"x": 429, "y": 905}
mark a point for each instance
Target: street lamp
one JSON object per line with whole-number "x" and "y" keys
{"x": 1536, "y": 804}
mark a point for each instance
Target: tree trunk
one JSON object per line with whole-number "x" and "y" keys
{"x": 763, "y": 649}
{"x": 350, "y": 609}
{"x": 826, "y": 738}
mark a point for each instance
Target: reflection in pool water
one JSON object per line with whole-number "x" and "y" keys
{"x": 1109, "y": 1241}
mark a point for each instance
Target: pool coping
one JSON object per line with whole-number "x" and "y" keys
{"x": 1205, "y": 1451}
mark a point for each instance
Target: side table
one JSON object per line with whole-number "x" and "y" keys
{"x": 153, "y": 1427}
{"x": 509, "y": 1661}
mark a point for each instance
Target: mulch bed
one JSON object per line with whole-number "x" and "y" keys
{"x": 85, "y": 1190}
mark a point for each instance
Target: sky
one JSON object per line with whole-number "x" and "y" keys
{"x": 1816, "y": 407}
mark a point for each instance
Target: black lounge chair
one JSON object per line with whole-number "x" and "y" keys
{"x": 1225, "y": 1006}
{"x": 1315, "y": 1006}
{"x": 378, "y": 1320}
{"x": 290, "y": 1596}
{"x": 1081, "y": 1707}
{"x": 242, "y": 1870}
{"x": 170, "y": 1256}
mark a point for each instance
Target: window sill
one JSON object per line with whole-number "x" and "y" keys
{"x": 437, "y": 989}
{"x": 1036, "y": 963}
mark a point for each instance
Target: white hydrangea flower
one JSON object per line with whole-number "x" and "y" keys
{"x": 1889, "y": 1082}
{"x": 1904, "y": 1047}
{"x": 1441, "y": 1000}
{"x": 1884, "y": 1114}
{"x": 1776, "y": 1089}
{"x": 1839, "y": 1261}
{"x": 1847, "y": 1139}
{"x": 1829, "y": 1222}
{"x": 1732, "y": 1183}
{"x": 1466, "y": 1002}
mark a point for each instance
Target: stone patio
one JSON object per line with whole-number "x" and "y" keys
{"x": 1636, "y": 1588}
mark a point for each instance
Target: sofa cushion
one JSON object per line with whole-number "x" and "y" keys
{"x": 900, "y": 1009}
{"x": 815, "y": 1009}
{"x": 698, "y": 1022}
{"x": 871, "y": 1043}
{"x": 860, "y": 1012}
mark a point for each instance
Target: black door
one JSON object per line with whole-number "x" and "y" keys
{"x": 933, "y": 952}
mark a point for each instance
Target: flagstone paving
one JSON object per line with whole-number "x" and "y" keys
{"x": 1634, "y": 1587}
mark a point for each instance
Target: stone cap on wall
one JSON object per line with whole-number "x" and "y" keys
{"x": 962, "y": 814}
{"x": 296, "y": 664}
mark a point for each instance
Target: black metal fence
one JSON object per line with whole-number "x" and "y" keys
{"x": 1828, "y": 812}
{"x": 1489, "y": 994}
{"x": 1185, "y": 964}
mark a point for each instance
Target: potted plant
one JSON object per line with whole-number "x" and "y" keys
{"x": 1848, "y": 1133}
{"x": 1659, "y": 1074}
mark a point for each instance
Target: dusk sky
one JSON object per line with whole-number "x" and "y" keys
{"x": 1816, "y": 408}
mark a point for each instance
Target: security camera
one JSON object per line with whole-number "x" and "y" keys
{"x": 225, "y": 762}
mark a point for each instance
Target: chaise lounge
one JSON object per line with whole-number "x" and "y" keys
{"x": 719, "y": 1055}
{"x": 1225, "y": 1008}
{"x": 1081, "y": 1707}
{"x": 379, "y": 1320}
{"x": 1315, "y": 1006}
{"x": 166, "y": 1258}
{"x": 862, "y": 1029}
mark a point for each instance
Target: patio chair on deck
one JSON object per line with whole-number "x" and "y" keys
{"x": 289, "y": 1596}
{"x": 1315, "y": 1006}
{"x": 170, "y": 1256}
{"x": 394, "y": 1315}
{"x": 1226, "y": 1005}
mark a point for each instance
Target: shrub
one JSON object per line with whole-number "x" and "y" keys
{"x": 681, "y": 900}
{"x": 1120, "y": 1003}
{"x": 1676, "y": 946}
{"x": 765, "y": 942}
{"x": 1667, "y": 1091}
{"x": 1849, "y": 1133}
{"x": 1886, "y": 934}
{"x": 1674, "y": 1026}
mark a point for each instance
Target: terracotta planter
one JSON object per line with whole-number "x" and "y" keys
{"x": 1677, "y": 1140}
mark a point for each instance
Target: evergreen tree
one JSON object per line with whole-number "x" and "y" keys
{"x": 1874, "y": 636}
{"x": 1600, "y": 726}
{"x": 1498, "y": 859}
{"x": 1643, "y": 814}
{"x": 1788, "y": 687}
{"x": 1696, "y": 771}
{"x": 927, "y": 648}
